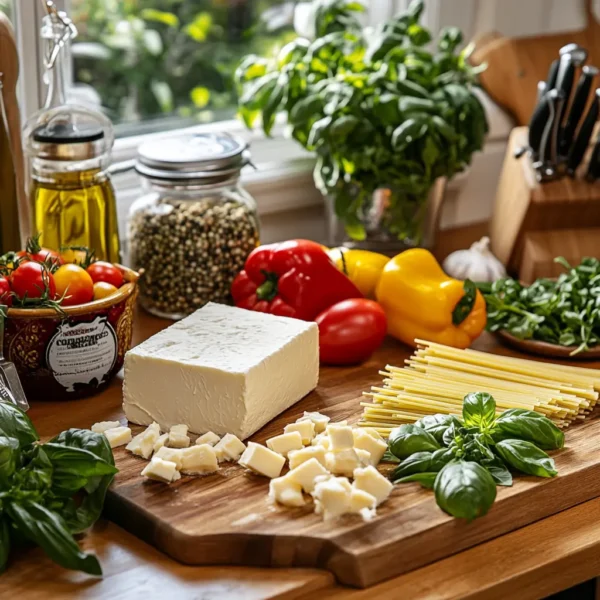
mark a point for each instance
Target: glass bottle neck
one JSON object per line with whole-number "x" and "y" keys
{"x": 56, "y": 75}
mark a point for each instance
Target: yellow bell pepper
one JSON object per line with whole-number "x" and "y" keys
{"x": 362, "y": 267}
{"x": 422, "y": 302}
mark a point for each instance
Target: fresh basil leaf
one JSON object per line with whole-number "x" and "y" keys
{"x": 519, "y": 423}
{"x": 427, "y": 480}
{"x": 77, "y": 461}
{"x": 4, "y": 543}
{"x": 465, "y": 490}
{"x": 526, "y": 457}
{"x": 465, "y": 305}
{"x": 388, "y": 457}
{"x": 419, "y": 462}
{"x": 9, "y": 458}
{"x": 46, "y": 529}
{"x": 479, "y": 410}
{"x": 408, "y": 439}
{"x": 498, "y": 470}
{"x": 436, "y": 425}
{"x": 36, "y": 476}
{"x": 16, "y": 424}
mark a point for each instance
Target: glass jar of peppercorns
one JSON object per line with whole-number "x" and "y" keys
{"x": 194, "y": 227}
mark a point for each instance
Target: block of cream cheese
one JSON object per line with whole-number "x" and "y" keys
{"x": 222, "y": 369}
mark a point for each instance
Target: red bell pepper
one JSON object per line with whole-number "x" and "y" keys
{"x": 291, "y": 279}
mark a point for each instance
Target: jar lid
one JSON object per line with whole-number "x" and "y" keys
{"x": 193, "y": 156}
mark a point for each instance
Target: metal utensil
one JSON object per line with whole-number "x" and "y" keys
{"x": 552, "y": 74}
{"x": 583, "y": 136}
{"x": 11, "y": 389}
{"x": 547, "y": 166}
{"x": 577, "y": 53}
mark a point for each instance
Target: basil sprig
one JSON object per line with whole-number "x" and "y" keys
{"x": 464, "y": 460}
{"x": 38, "y": 486}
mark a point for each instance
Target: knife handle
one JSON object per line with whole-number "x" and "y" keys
{"x": 550, "y": 138}
{"x": 538, "y": 121}
{"x": 552, "y": 74}
{"x": 583, "y": 137}
{"x": 580, "y": 98}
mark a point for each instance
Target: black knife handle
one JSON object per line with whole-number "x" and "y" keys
{"x": 538, "y": 121}
{"x": 583, "y": 137}
{"x": 552, "y": 74}
{"x": 593, "y": 170}
{"x": 550, "y": 140}
{"x": 580, "y": 98}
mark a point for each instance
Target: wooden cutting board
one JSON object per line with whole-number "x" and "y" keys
{"x": 225, "y": 519}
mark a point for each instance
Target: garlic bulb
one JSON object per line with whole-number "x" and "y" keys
{"x": 477, "y": 263}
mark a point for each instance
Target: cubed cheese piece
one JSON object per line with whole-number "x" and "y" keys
{"x": 305, "y": 428}
{"x": 118, "y": 436}
{"x": 229, "y": 448}
{"x": 364, "y": 457}
{"x": 282, "y": 444}
{"x": 199, "y": 460}
{"x": 297, "y": 457}
{"x": 160, "y": 442}
{"x": 209, "y": 438}
{"x": 105, "y": 426}
{"x": 178, "y": 437}
{"x": 359, "y": 500}
{"x": 261, "y": 460}
{"x": 286, "y": 492}
{"x": 340, "y": 437}
{"x": 375, "y": 447}
{"x": 342, "y": 462}
{"x": 161, "y": 470}
{"x": 143, "y": 443}
{"x": 222, "y": 369}
{"x": 306, "y": 473}
{"x": 172, "y": 455}
{"x": 372, "y": 432}
{"x": 370, "y": 480}
{"x": 332, "y": 498}
{"x": 322, "y": 439}
{"x": 317, "y": 418}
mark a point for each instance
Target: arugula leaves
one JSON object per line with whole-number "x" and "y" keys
{"x": 39, "y": 483}
{"x": 378, "y": 108}
{"x": 565, "y": 311}
{"x": 463, "y": 461}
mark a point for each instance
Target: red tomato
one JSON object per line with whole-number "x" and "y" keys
{"x": 350, "y": 331}
{"x": 104, "y": 271}
{"x": 74, "y": 285}
{"x": 32, "y": 280}
{"x": 5, "y": 292}
{"x": 42, "y": 255}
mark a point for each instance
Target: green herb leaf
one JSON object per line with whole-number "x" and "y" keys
{"x": 498, "y": 470}
{"x": 419, "y": 462}
{"x": 436, "y": 425}
{"x": 465, "y": 490}
{"x": 518, "y": 423}
{"x": 427, "y": 480}
{"x": 526, "y": 457}
{"x": 388, "y": 457}
{"x": 465, "y": 305}
{"x": 408, "y": 439}
{"x": 479, "y": 410}
{"x": 15, "y": 423}
{"x": 9, "y": 458}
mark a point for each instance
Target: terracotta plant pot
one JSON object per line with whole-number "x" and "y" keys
{"x": 76, "y": 354}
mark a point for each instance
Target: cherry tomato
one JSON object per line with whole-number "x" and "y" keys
{"x": 41, "y": 255}
{"x": 5, "y": 292}
{"x": 103, "y": 290}
{"x": 73, "y": 256}
{"x": 350, "y": 331}
{"x": 104, "y": 271}
{"x": 74, "y": 285}
{"x": 32, "y": 280}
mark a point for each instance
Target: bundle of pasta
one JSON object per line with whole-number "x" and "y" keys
{"x": 437, "y": 378}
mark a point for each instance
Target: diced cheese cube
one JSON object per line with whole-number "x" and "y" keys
{"x": 178, "y": 437}
{"x": 305, "y": 428}
{"x": 118, "y": 436}
{"x": 317, "y": 418}
{"x": 261, "y": 460}
{"x": 342, "y": 462}
{"x": 306, "y": 473}
{"x": 172, "y": 455}
{"x": 340, "y": 437}
{"x": 161, "y": 470}
{"x": 160, "y": 442}
{"x": 199, "y": 460}
{"x": 370, "y": 480}
{"x": 363, "y": 456}
{"x": 221, "y": 364}
{"x": 209, "y": 438}
{"x": 286, "y": 492}
{"x": 297, "y": 457}
{"x": 105, "y": 426}
{"x": 229, "y": 448}
{"x": 372, "y": 432}
{"x": 332, "y": 498}
{"x": 359, "y": 500}
{"x": 322, "y": 439}
{"x": 375, "y": 447}
{"x": 143, "y": 443}
{"x": 282, "y": 444}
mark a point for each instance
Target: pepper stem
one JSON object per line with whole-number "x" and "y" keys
{"x": 267, "y": 290}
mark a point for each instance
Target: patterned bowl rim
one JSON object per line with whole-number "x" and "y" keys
{"x": 125, "y": 291}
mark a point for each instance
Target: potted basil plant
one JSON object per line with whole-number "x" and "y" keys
{"x": 386, "y": 115}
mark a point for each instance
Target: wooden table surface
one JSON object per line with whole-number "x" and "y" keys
{"x": 532, "y": 562}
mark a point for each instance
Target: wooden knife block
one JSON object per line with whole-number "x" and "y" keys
{"x": 524, "y": 205}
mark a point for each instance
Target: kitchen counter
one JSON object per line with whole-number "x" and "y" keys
{"x": 532, "y": 562}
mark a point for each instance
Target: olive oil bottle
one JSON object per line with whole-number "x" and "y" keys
{"x": 69, "y": 148}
